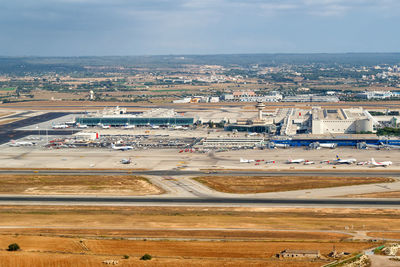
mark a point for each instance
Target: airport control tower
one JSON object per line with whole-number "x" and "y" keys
{"x": 260, "y": 106}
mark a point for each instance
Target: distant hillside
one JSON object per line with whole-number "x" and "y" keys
{"x": 37, "y": 65}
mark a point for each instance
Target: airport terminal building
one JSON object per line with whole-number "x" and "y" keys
{"x": 119, "y": 117}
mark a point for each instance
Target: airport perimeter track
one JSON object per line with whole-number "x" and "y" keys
{"x": 197, "y": 198}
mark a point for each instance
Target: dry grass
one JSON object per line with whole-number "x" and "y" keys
{"x": 258, "y": 184}
{"x": 61, "y": 251}
{"x": 99, "y": 185}
{"x": 177, "y": 218}
{"x": 29, "y": 259}
{"x": 85, "y": 236}
{"x": 184, "y": 234}
{"x": 389, "y": 235}
{"x": 6, "y": 121}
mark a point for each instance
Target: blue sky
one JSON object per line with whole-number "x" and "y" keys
{"x": 153, "y": 27}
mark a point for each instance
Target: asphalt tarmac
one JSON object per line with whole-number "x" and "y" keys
{"x": 9, "y": 131}
{"x": 138, "y": 201}
{"x": 208, "y": 173}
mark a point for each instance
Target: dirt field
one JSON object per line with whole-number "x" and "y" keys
{"x": 99, "y": 185}
{"x": 60, "y": 251}
{"x": 389, "y": 235}
{"x": 251, "y": 184}
{"x": 390, "y": 194}
{"x": 179, "y": 218}
{"x": 179, "y": 236}
{"x": 191, "y": 235}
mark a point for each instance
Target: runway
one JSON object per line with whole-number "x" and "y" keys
{"x": 170, "y": 201}
{"x": 208, "y": 173}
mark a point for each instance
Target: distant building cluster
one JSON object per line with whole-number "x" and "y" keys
{"x": 237, "y": 96}
{"x": 311, "y": 98}
{"x": 377, "y": 95}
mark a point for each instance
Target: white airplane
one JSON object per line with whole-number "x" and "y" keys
{"x": 253, "y": 134}
{"x": 296, "y": 161}
{"x": 308, "y": 162}
{"x": 344, "y": 161}
{"x": 246, "y": 160}
{"x": 81, "y": 126}
{"x": 328, "y": 145}
{"x": 21, "y": 143}
{"x": 380, "y": 164}
{"x": 105, "y": 126}
{"x": 281, "y": 145}
{"x": 60, "y": 126}
{"x": 129, "y": 126}
{"x": 122, "y": 148}
{"x": 155, "y": 127}
{"x": 126, "y": 161}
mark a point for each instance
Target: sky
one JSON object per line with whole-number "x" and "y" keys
{"x": 163, "y": 27}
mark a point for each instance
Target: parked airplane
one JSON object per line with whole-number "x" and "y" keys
{"x": 155, "y": 127}
{"x": 126, "y": 161}
{"x": 122, "y": 148}
{"x": 104, "y": 126}
{"x": 297, "y": 161}
{"x": 344, "y": 161}
{"x": 308, "y": 162}
{"x": 60, "y": 126}
{"x": 328, "y": 145}
{"x": 21, "y": 143}
{"x": 246, "y": 160}
{"x": 380, "y": 164}
{"x": 129, "y": 126}
{"x": 281, "y": 145}
{"x": 81, "y": 126}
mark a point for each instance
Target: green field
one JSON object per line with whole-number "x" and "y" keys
{"x": 7, "y": 89}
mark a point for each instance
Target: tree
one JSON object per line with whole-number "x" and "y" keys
{"x": 13, "y": 247}
{"x": 146, "y": 257}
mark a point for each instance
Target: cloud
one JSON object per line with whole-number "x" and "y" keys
{"x": 186, "y": 26}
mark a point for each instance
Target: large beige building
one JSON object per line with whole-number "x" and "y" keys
{"x": 352, "y": 120}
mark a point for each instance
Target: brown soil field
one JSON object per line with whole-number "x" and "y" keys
{"x": 4, "y": 114}
{"x": 191, "y": 235}
{"x": 99, "y": 185}
{"x": 5, "y": 121}
{"x": 251, "y": 184}
{"x": 199, "y": 218}
{"x": 29, "y": 259}
{"x": 390, "y": 235}
{"x": 94, "y": 251}
{"x": 390, "y": 194}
